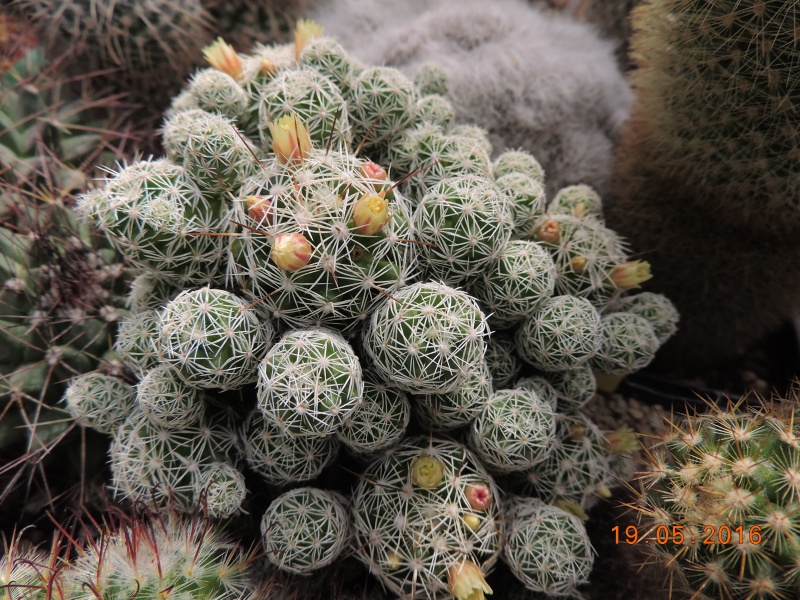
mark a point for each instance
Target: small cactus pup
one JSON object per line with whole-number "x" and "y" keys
{"x": 167, "y": 400}
{"x": 502, "y": 360}
{"x": 657, "y": 309}
{"x": 451, "y": 410}
{"x": 577, "y": 200}
{"x": 573, "y": 388}
{"x": 729, "y": 476}
{"x": 427, "y": 338}
{"x": 157, "y": 556}
{"x": 546, "y": 548}
{"x": 305, "y": 529}
{"x": 381, "y": 421}
{"x": 325, "y": 239}
{"x": 627, "y": 344}
{"x": 514, "y": 431}
{"x": 427, "y": 520}
{"x": 310, "y": 382}
{"x": 561, "y": 335}
{"x": 213, "y": 338}
{"x": 99, "y": 401}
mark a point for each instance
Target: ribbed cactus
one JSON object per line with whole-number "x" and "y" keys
{"x": 723, "y": 486}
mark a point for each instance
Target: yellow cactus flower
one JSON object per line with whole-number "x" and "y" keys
{"x": 305, "y": 31}
{"x": 466, "y": 582}
{"x": 290, "y": 139}
{"x": 290, "y": 251}
{"x": 630, "y": 274}
{"x": 427, "y": 471}
{"x": 222, "y": 56}
{"x": 370, "y": 214}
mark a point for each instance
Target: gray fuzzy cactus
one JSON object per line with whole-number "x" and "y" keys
{"x": 427, "y": 338}
{"x": 304, "y": 530}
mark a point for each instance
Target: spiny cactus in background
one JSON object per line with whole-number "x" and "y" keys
{"x": 421, "y": 512}
{"x": 724, "y": 485}
{"x": 305, "y": 529}
{"x": 713, "y": 137}
{"x": 520, "y": 73}
{"x": 245, "y": 22}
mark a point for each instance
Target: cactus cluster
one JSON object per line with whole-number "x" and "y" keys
{"x": 297, "y": 255}
{"x": 720, "y": 490}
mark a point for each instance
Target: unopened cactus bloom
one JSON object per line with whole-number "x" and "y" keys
{"x": 473, "y": 522}
{"x": 548, "y": 232}
{"x": 427, "y": 471}
{"x": 222, "y": 56}
{"x": 290, "y": 139}
{"x": 291, "y": 251}
{"x": 479, "y": 496}
{"x": 259, "y": 207}
{"x": 373, "y": 170}
{"x": 467, "y": 582}
{"x": 306, "y": 31}
{"x": 631, "y": 274}
{"x": 370, "y": 214}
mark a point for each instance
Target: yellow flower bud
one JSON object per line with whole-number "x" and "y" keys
{"x": 290, "y": 139}
{"x": 572, "y": 507}
{"x": 259, "y": 208}
{"x": 578, "y": 264}
{"x": 427, "y": 471}
{"x": 472, "y": 521}
{"x": 393, "y": 560}
{"x": 290, "y": 251}
{"x": 370, "y": 214}
{"x": 466, "y": 582}
{"x": 548, "y": 232}
{"x": 305, "y": 31}
{"x": 222, "y": 56}
{"x": 630, "y": 274}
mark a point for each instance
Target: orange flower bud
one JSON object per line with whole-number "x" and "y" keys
{"x": 305, "y": 31}
{"x": 370, "y": 214}
{"x": 466, "y": 582}
{"x": 372, "y": 170}
{"x": 427, "y": 471}
{"x": 479, "y": 496}
{"x": 290, "y": 139}
{"x": 260, "y": 208}
{"x": 290, "y": 251}
{"x": 222, "y": 56}
{"x": 630, "y": 274}
{"x": 549, "y": 232}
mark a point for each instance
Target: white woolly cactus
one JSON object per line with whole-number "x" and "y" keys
{"x": 546, "y": 548}
{"x": 561, "y": 335}
{"x": 577, "y": 200}
{"x": 310, "y": 382}
{"x": 345, "y": 262}
{"x": 157, "y": 217}
{"x": 502, "y": 361}
{"x": 99, "y": 401}
{"x": 427, "y": 338}
{"x": 627, "y": 344}
{"x": 213, "y": 338}
{"x": 515, "y": 283}
{"x": 464, "y": 223}
{"x": 659, "y": 311}
{"x": 304, "y": 530}
{"x": 136, "y": 343}
{"x": 380, "y": 422}
{"x": 514, "y": 431}
{"x": 443, "y": 412}
{"x": 167, "y": 400}
{"x": 281, "y": 458}
{"x": 423, "y": 509}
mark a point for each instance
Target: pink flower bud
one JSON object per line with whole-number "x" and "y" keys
{"x": 222, "y": 56}
{"x": 290, "y": 251}
{"x": 290, "y": 139}
{"x": 372, "y": 170}
{"x": 479, "y": 496}
{"x": 370, "y": 214}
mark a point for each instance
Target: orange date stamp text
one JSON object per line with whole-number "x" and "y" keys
{"x": 712, "y": 535}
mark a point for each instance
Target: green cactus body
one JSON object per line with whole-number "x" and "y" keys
{"x": 435, "y": 110}
{"x": 657, "y": 309}
{"x": 310, "y": 382}
{"x": 574, "y": 388}
{"x": 542, "y": 388}
{"x": 627, "y": 344}
{"x": 381, "y": 421}
{"x": 546, "y": 548}
{"x": 464, "y": 223}
{"x": 514, "y": 431}
{"x": 518, "y": 162}
{"x": 561, "y": 335}
{"x": 444, "y": 412}
{"x": 329, "y": 58}
{"x": 515, "y": 283}
{"x": 137, "y": 339}
{"x": 527, "y": 200}
{"x": 729, "y": 476}
{"x": 411, "y": 511}
{"x": 167, "y": 400}
{"x": 213, "y": 91}
{"x": 281, "y": 458}
{"x": 347, "y": 272}
{"x": 305, "y": 529}
{"x": 427, "y": 338}
{"x": 502, "y": 360}
{"x": 99, "y": 401}
{"x": 213, "y": 338}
